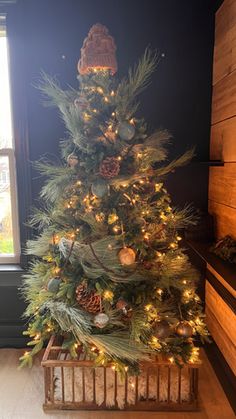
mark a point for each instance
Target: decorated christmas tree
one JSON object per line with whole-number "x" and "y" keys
{"x": 109, "y": 273}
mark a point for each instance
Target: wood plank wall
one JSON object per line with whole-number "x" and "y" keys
{"x": 222, "y": 180}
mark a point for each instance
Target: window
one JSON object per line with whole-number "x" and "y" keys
{"x": 9, "y": 226}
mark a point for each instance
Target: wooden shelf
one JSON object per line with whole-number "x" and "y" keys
{"x": 225, "y": 269}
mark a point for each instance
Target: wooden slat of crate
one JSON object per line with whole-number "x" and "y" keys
{"x": 224, "y": 98}
{"x": 223, "y": 141}
{"x": 223, "y": 313}
{"x": 222, "y": 184}
{"x": 225, "y": 19}
{"x": 222, "y": 340}
{"x": 225, "y": 219}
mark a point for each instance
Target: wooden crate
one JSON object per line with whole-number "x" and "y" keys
{"x": 78, "y": 385}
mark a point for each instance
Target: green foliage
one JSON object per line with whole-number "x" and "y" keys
{"x": 81, "y": 235}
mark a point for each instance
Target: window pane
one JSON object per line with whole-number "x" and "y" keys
{"x": 6, "y": 235}
{"x": 5, "y": 107}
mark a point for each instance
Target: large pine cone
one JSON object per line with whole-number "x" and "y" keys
{"x": 109, "y": 167}
{"x": 89, "y": 300}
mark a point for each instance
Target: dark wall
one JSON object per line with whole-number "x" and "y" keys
{"x": 51, "y": 33}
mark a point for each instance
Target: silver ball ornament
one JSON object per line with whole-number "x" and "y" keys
{"x": 100, "y": 188}
{"x": 126, "y": 131}
{"x": 54, "y": 285}
{"x": 101, "y": 320}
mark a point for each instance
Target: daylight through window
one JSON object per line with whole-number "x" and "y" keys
{"x": 9, "y": 231}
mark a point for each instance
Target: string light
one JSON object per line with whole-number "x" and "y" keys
{"x": 148, "y": 307}
{"x": 108, "y": 295}
{"x": 106, "y": 99}
{"x": 112, "y": 93}
{"x": 126, "y": 369}
{"x": 173, "y": 245}
{"x": 93, "y": 349}
{"x": 171, "y": 359}
{"x": 178, "y": 238}
{"x": 26, "y": 353}
{"x": 116, "y": 229}
{"x": 159, "y": 291}
{"x": 99, "y": 90}
{"x": 57, "y": 270}
{"x": 113, "y": 114}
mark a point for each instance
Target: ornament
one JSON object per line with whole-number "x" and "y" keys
{"x": 122, "y": 305}
{"x": 98, "y": 51}
{"x": 184, "y": 329}
{"x": 100, "y": 188}
{"x": 101, "y": 320}
{"x": 89, "y": 300}
{"x": 161, "y": 329}
{"x": 109, "y": 167}
{"x": 126, "y": 130}
{"x": 72, "y": 160}
{"x": 54, "y": 285}
{"x": 127, "y": 256}
{"x": 81, "y": 103}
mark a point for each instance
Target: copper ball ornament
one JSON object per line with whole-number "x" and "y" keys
{"x": 184, "y": 329}
{"x": 126, "y": 131}
{"x": 162, "y": 329}
{"x": 127, "y": 256}
{"x": 72, "y": 160}
{"x": 98, "y": 51}
{"x": 122, "y": 305}
{"x": 101, "y": 320}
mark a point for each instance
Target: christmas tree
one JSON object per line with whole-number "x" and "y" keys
{"x": 109, "y": 273}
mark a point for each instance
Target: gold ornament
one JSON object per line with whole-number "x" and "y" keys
{"x": 127, "y": 256}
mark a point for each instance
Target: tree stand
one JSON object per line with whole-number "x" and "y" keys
{"x": 78, "y": 385}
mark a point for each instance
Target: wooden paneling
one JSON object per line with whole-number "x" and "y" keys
{"x": 222, "y": 184}
{"x": 223, "y": 141}
{"x": 222, "y": 312}
{"x": 224, "y": 99}
{"x": 225, "y": 41}
{"x": 225, "y": 345}
{"x": 225, "y": 219}
{"x": 221, "y": 280}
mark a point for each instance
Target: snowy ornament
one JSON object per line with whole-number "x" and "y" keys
{"x": 127, "y": 256}
{"x": 184, "y": 329}
{"x": 54, "y": 285}
{"x": 100, "y": 188}
{"x": 101, "y": 320}
{"x": 126, "y": 130}
{"x": 72, "y": 160}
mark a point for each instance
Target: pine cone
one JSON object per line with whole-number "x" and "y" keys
{"x": 109, "y": 167}
{"x": 89, "y": 300}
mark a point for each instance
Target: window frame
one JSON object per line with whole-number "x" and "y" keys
{"x": 14, "y": 155}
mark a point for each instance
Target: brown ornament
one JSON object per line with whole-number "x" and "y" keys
{"x": 127, "y": 256}
{"x": 184, "y": 329}
{"x": 88, "y": 300}
{"x": 98, "y": 51}
{"x": 72, "y": 160}
{"x": 109, "y": 167}
{"x": 162, "y": 329}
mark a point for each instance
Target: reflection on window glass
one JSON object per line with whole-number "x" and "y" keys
{"x": 6, "y": 236}
{"x": 5, "y": 108}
